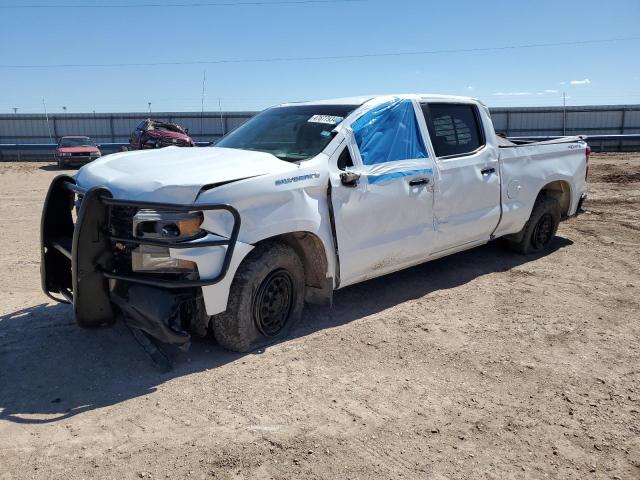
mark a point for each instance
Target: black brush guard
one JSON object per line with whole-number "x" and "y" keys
{"x": 77, "y": 259}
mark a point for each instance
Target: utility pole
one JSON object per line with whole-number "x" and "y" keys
{"x": 15, "y": 109}
{"x": 221, "y": 121}
{"x": 149, "y": 103}
{"x": 46, "y": 116}
{"x": 564, "y": 114}
{"x": 204, "y": 79}
{"x": 95, "y": 124}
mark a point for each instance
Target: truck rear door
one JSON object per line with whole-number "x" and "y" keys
{"x": 467, "y": 193}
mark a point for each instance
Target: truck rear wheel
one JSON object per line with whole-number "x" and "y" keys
{"x": 540, "y": 229}
{"x": 265, "y": 301}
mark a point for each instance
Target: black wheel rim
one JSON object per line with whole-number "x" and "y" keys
{"x": 543, "y": 232}
{"x": 273, "y": 302}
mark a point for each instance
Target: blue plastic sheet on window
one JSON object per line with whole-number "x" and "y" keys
{"x": 389, "y": 133}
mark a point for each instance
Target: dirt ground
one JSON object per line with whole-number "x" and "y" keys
{"x": 485, "y": 364}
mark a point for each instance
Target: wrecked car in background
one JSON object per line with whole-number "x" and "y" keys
{"x": 157, "y": 134}
{"x": 75, "y": 151}
{"x": 303, "y": 199}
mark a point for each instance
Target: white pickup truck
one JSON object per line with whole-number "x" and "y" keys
{"x": 303, "y": 199}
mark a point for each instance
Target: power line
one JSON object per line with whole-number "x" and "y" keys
{"x": 323, "y": 57}
{"x": 196, "y": 106}
{"x": 180, "y": 5}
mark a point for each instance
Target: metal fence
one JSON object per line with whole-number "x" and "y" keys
{"x": 111, "y": 127}
{"x": 29, "y": 136}
{"x": 110, "y": 130}
{"x": 603, "y": 124}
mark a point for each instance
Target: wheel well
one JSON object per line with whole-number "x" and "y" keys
{"x": 561, "y": 191}
{"x": 310, "y": 249}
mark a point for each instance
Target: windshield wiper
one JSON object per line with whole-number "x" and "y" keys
{"x": 291, "y": 158}
{"x": 297, "y": 155}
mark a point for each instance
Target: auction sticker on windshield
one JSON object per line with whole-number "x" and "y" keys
{"x": 326, "y": 119}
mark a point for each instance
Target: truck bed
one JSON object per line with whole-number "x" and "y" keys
{"x": 526, "y": 168}
{"x": 504, "y": 142}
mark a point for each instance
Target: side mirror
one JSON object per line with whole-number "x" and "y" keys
{"x": 186, "y": 130}
{"x": 349, "y": 179}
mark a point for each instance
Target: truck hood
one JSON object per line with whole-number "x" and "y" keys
{"x": 173, "y": 174}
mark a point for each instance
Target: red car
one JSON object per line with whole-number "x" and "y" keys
{"x": 76, "y": 150}
{"x": 157, "y": 134}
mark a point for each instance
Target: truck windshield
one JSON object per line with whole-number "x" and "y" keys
{"x": 290, "y": 133}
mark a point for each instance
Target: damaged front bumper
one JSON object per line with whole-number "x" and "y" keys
{"x": 79, "y": 262}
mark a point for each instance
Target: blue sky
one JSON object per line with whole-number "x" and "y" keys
{"x": 603, "y": 73}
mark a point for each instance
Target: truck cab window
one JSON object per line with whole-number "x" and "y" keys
{"x": 345, "y": 160}
{"x": 389, "y": 132}
{"x": 454, "y": 128}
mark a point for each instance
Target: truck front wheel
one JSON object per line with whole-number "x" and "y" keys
{"x": 265, "y": 300}
{"x": 540, "y": 229}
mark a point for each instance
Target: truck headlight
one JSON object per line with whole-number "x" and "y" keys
{"x": 149, "y": 258}
{"x": 64, "y": 154}
{"x": 167, "y": 225}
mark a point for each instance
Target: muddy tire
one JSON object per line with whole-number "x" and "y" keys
{"x": 540, "y": 229}
{"x": 265, "y": 300}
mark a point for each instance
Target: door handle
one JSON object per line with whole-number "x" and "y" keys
{"x": 418, "y": 181}
{"x": 488, "y": 171}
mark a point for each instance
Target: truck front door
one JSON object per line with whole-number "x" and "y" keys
{"x": 467, "y": 196}
{"x": 383, "y": 220}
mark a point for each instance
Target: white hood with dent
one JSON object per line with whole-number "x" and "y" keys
{"x": 174, "y": 174}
